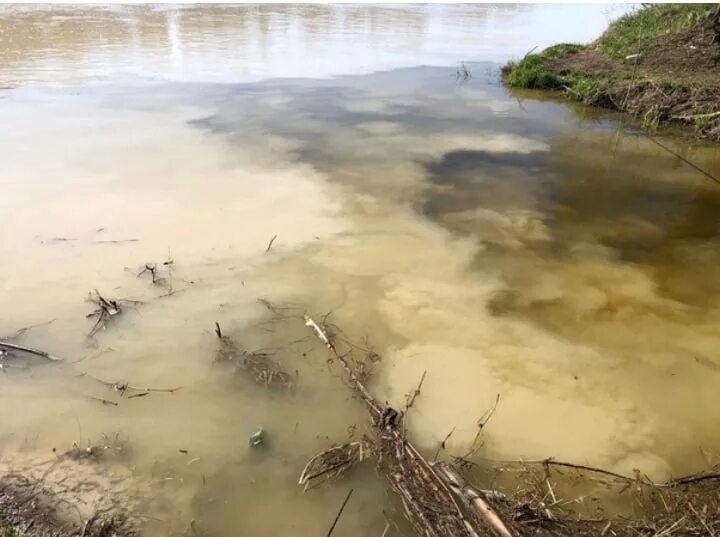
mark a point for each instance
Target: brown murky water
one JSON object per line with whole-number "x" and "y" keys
{"x": 504, "y": 244}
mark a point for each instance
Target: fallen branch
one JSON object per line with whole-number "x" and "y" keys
{"x": 443, "y": 444}
{"x": 427, "y": 501}
{"x": 103, "y": 401}
{"x": 481, "y": 425}
{"x": 332, "y": 462}
{"x": 685, "y": 480}
{"x": 270, "y": 244}
{"x": 123, "y": 387}
{"x": 473, "y": 499}
{"x": 106, "y": 310}
{"x": 30, "y": 350}
{"x": 410, "y": 399}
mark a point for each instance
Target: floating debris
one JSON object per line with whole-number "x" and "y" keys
{"x": 333, "y": 462}
{"x": 257, "y": 438}
{"x": 258, "y": 366}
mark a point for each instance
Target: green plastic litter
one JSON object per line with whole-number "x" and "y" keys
{"x": 257, "y": 438}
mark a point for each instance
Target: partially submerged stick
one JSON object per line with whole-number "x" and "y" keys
{"x": 429, "y": 504}
{"x": 472, "y": 498}
{"x": 30, "y": 350}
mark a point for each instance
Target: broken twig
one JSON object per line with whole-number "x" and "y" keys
{"x": 30, "y": 350}
{"x": 270, "y": 244}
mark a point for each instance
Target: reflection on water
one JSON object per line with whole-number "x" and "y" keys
{"x": 250, "y": 42}
{"x": 501, "y": 244}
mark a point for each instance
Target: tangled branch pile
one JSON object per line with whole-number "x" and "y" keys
{"x": 439, "y": 502}
{"x": 428, "y": 503}
{"x": 258, "y": 366}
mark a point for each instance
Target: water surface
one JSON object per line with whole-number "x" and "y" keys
{"x": 502, "y": 243}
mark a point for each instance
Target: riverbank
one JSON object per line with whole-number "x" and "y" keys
{"x": 660, "y": 64}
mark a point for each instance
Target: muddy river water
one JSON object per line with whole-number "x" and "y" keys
{"x": 504, "y": 243}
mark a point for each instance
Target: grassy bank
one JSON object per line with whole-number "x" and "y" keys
{"x": 660, "y": 64}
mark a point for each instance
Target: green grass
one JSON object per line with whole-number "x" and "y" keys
{"x": 530, "y": 72}
{"x": 562, "y": 50}
{"x": 629, "y": 33}
{"x": 586, "y": 88}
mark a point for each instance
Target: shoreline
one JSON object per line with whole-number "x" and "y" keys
{"x": 660, "y": 64}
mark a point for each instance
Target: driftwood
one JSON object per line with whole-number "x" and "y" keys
{"x": 428, "y": 503}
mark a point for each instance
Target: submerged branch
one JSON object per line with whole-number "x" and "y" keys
{"x": 30, "y": 350}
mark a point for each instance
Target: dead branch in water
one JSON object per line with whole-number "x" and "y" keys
{"x": 270, "y": 244}
{"x": 443, "y": 444}
{"x": 106, "y": 310}
{"x": 258, "y": 366}
{"x": 103, "y": 401}
{"x": 123, "y": 387}
{"x": 333, "y": 462}
{"x": 410, "y": 401}
{"x": 152, "y": 269}
{"x": 481, "y": 425}
{"x": 472, "y": 498}
{"x": 30, "y": 350}
{"x": 427, "y": 501}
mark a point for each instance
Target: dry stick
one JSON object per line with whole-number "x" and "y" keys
{"x": 473, "y": 499}
{"x": 690, "y": 479}
{"x": 442, "y": 444}
{"x": 551, "y": 462}
{"x": 103, "y": 401}
{"x": 481, "y": 425}
{"x": 369, "y": 399}
{"x": 148, "y": 390}
{"x": 121, "y": 386}
{"x": 702, "y": 520}
{"x": 29, "y": 350}
{"x": 342, "y": 508}
{"x": 413, "y": 395}
{"x": 410, "y": 400}
{"x": 270, "y": 244}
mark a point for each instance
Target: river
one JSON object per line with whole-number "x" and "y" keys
{"x": 364, "y": 165}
